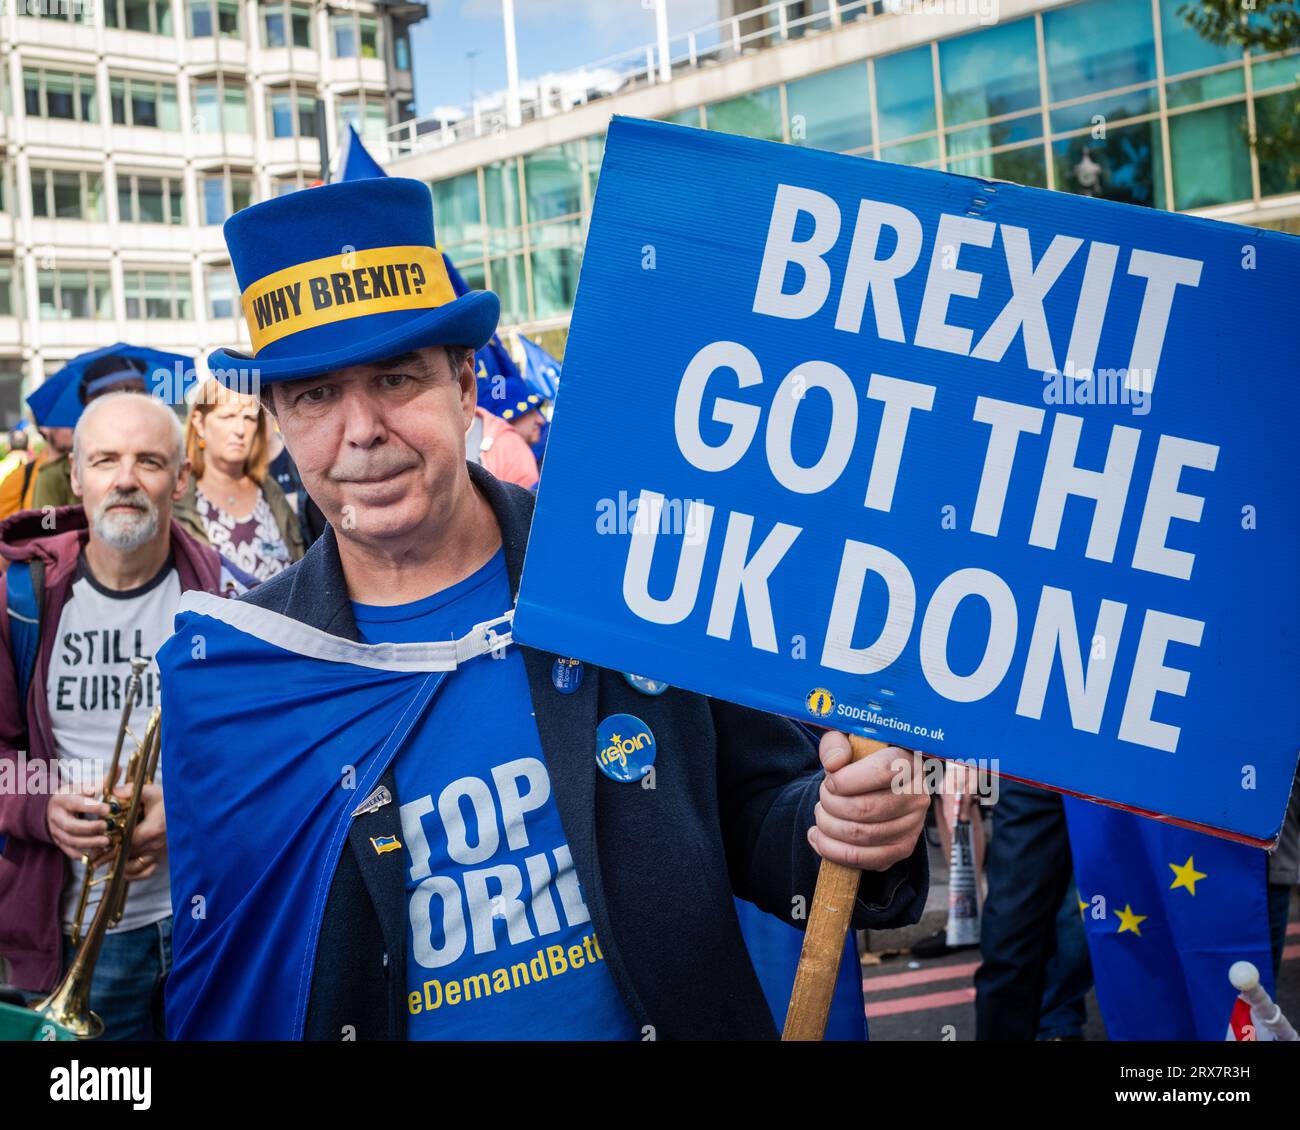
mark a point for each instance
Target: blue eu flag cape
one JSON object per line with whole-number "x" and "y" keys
{"x": 273, "y": 733}
{"x": 1166, "y": 912}
{"x": 774, "y": 948}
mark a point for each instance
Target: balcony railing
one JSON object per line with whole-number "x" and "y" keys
{"x": 708, "y": 45}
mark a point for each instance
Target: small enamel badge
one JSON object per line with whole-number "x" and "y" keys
{"x": 566, "y": 675}
{"x": 382, "y": 844}
{"x": 380, "y": 797}
{"x": 625, "y": 747}
{"x": 644, "y": 685}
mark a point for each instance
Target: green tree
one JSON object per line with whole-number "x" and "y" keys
{"x": 1262, "y": 27}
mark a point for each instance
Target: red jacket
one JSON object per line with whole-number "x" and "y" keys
{"x": 32, "y": 870}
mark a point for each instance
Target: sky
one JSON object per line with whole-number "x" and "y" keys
{"x": 551, "y": 36}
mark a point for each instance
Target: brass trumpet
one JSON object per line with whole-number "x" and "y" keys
{"x": 69, "y": 1004}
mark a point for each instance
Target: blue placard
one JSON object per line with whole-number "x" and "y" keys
{"x": 984, "y": 470}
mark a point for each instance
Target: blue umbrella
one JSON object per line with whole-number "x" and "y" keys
{"x": 57, "y": 403}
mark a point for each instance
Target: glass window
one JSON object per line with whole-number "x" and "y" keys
{"x": 924, "y": 152}
{"x": 975, "y": 139}
{"x": 1023, "y": 166}
{"x": 137, "y": 14}
{"x": 149, "y": 192}
{"x": 241, "y": 193}
{"x": 157, "y": 296}
{"x": 214, "y": 199}
{"x": 176, "y": 202}
{"x": 281, "y": 108}
{"x": 1276, "y": 72}
{"x": 689, "y": 117}
{"x": 207, "y": 106}
{"x": 1101, "y": 111}
{"x": 47, "y": 288}
{"x": 555, "y": 279}
{"x": 376, "y": 121}
{"x": 507, "y": 276}
{"x": 1206, "y": 88}
{"x": 234, "y": 115}
{"x": 1185, "y": 49}
{"x": 595, "y": 157}
{"x": 348, "y": 111}
{"x": 169, "y": 114}
{"x": 67, "y": 196}
{"x": 456, "y": 216}
{"x": 553, "y": 178}
{"x": 200, "y": 19}
{"x": 344, "y": 32}
{"x": 181, "y": 294}
{"x": 306, "y": 115}
{"x": 1278, "y": 172}
{"x": 402, "y": 53}
{"x": 6, "y": 291}
{"x": 1126, "y": 165}
{"x": 501, "y": 192}
{"x": 96, "y": 206}
{"x": 221, "y": 293}
{"x": 59, "y": 99}
{"x": 117, "y": 100}
{"x": 40, "y": 198}
{"x": 87, "y": 98}
{"x": 369, "y": 37}
{"x": 905, "y": 93}
{"x": 32, "y": 92}
{"x": 1210, "y": 155}
{"x": 989, "y": 73}
{"x": 75, "y": 298}
{"x": 163, "y": 9}
{"x": 228, "y": 18}
{"x": 144, "y": 104}
{"x": 133, "y": 293}
{"x": 273, "y": 28}
{"x": 831, "y": 110}
{"x": 1098, "y": 46}
{"x": 752, "y": 115}
{"x": 301, "y": 22}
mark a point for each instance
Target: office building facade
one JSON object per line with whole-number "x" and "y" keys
{"x": 130, "y": 130}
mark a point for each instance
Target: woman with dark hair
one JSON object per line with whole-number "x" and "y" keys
{"x": 232, "y": 503}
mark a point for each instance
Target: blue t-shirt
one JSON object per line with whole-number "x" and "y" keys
{"x": 499, "y": 940}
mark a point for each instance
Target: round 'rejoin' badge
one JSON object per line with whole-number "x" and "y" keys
{"x": 625, "y": 747}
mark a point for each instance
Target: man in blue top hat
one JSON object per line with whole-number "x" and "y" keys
{"x": 490, "y": 879}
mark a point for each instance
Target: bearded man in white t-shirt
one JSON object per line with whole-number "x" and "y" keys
{"x": 111, "y": 578}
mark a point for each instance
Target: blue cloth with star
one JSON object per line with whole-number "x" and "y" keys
{"x": 1176, "y": 909}
{"x": 499, "y": 941}
{"x": 267, "y": 750}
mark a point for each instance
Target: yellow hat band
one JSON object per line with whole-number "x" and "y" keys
{"x": 338, "y": 287}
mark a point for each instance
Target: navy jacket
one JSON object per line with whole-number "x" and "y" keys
{"x": 733, "y": 799}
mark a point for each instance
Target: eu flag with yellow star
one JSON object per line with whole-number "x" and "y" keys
{"x": 1166, "y": 911}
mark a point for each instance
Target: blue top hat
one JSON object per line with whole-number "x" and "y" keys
{"x": 341, "y": 275}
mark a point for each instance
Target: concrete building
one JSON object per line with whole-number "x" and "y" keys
{"x": 1112, "y": 98}
{"x": 130, "y": 130}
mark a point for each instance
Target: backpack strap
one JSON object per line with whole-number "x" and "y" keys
{"x": 23, "y": 581}
{"x": 24, "y": 621}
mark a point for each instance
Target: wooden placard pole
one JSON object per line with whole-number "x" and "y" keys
{"x": 823, "y": 941}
